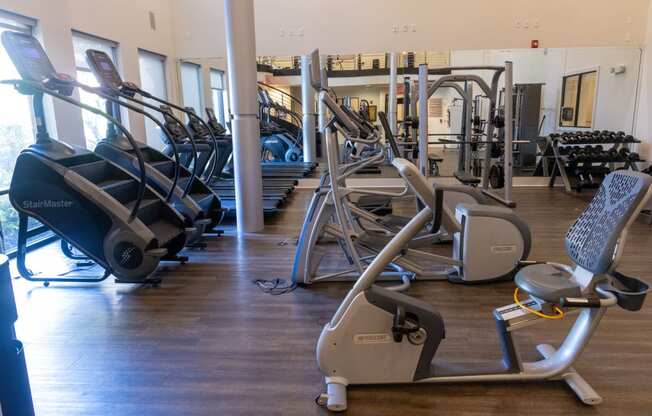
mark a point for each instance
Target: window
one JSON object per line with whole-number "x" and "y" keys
{"x": 218, "y": 95}
{"x": 191, "y": 86}
{"x": 578, "y": 99}
{"x": 152, "y": 79}
{"x": 16, "y": 126}
{"x": 94, "y": 125}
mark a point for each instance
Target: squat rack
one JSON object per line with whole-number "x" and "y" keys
{"x": 427, "y": 89}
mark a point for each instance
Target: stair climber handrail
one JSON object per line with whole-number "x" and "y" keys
{"x": 292, "y": 98}
{"x": 128, "y": 97}
{"x": 190, "y": 135}
{"x": 213, "y": 135}
{"x": 141, "y": 160}
{"x": 177, "y": 160}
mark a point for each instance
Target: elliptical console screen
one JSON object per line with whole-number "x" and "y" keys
{"x": 103, "y": 68}
{"x": 28, "y": 56}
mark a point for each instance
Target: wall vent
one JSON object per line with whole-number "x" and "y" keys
{"x": 435, "y": 108}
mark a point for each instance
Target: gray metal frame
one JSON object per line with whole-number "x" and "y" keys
{"x": 593, "y": 276}
{"x": 493, "y": 93}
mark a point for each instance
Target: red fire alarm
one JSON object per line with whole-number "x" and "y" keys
{"x": 534, "y": 44}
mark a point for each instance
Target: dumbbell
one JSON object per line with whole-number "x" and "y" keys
{"x": 598, "y": 152}
{"x": 573, "y": 152}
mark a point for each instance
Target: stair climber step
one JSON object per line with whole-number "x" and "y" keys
{"x": 120, "y": 189}
{"x": 149, "y": 210}
{"x": 166, "y": 167}
{"x": 164, "y": 231}
{"x": 95, "y": 171}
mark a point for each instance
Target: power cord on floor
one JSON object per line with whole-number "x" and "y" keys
{"x": 275, "y": 286}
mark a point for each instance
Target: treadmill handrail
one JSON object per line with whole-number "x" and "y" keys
{"x": 109, "y": 97}
{"x": 141, "y": 160}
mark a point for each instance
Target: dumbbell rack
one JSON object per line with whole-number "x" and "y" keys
{"x": 565, "y": 168}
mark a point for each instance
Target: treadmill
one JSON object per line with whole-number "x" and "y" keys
{"x": 272, "y": 198}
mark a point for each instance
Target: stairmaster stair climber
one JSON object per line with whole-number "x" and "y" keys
{"x": 165, "y": 173}
{"x": 102, "y": 210}
{"x": 194, "y": 152}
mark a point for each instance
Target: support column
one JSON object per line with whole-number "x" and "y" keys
{"x": 323, "y": 114}
{"x": 391, "y": 101}
{"x": 241, "y": 56}
{"x": 308, "y": 102}
{"x": 468, "y": 129}
{"x": 509, "y": 130}
{"x": 423, "y": 119}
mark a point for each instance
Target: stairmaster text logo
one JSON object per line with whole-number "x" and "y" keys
{"x": 47, "y": 203}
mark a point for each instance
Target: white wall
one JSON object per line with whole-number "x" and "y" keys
{"x": 340, "y": 26}
{"x": 616, "y": 98}
{"x": 123, "y": 21}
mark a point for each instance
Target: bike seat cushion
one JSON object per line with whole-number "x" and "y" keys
{"x": 547, "y": 282}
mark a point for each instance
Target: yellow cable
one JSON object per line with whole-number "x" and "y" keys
{"x": 560, "y": 313}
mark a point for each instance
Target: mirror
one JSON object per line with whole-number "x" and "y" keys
{"x": 555, "y": 90}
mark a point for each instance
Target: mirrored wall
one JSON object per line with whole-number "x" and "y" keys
{"x": 557, "y": 89}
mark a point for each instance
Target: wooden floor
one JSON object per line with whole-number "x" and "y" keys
{"x": 208, "y": 342}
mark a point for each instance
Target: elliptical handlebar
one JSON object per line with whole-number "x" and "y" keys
{"x": 340, "y": 117}
{"x": 389, "y": 136}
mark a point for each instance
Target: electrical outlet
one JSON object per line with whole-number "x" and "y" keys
{"x": 395, "y": 28}
{"x": 517, "y": 24}
{"x": 628, "y": 37}
{"x": 535, "y": 23}
{"x": 414, "y": 27}
{"x": 300, "y": 32}
{"x": 526, "y": 24}
{"x": 281, "y": 32}
{"x": 405, "y": 28}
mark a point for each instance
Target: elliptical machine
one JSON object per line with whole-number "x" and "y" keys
{"x": 382, "y": 337}
{"x": 488, "y": 241}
